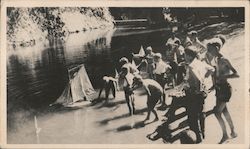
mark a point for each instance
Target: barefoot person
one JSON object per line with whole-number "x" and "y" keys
{"x": 171, "y": 54}
{"x": 160, "y": 72}
{"x": 193, "y": 41}
{"x": 127, "y": 78}
{"x": 149, "y": 59}
{"x": 196, "y": 72}
{"x": 224, "y": 70}
{"x": 154, "y": 93}
{"x": 132, "y": 68}
{"x": 109, "y": 83}
{"x": 180, "y": 55}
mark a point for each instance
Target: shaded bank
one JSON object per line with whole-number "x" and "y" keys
{"x": 35, "y": 24}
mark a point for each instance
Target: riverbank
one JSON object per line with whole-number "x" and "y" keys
{"x": 110, "y": 123}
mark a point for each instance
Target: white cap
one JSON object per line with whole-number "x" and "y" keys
{"x": 158, "y": 55}
{"x": 149, "y": 48}
{"x": 124, "y": 59}
{"x": 215, "y": 41}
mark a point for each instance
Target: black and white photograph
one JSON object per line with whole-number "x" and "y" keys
{"x": 122, "y": 74}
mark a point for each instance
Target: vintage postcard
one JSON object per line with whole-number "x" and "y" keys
{"x": 124, "y": 74}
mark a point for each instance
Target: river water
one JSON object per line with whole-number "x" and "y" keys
{"x": 36, "y": 76}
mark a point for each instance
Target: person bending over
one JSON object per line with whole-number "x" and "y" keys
{"x": 109, "y": 83}
{"x": 154, "y": 93}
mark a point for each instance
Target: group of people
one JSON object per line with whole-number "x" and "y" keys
{"x": 191, "y": 65}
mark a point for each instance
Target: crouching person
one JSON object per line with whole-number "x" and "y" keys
{"x": 154, "y": 93}
{"x": 109, "y": 83}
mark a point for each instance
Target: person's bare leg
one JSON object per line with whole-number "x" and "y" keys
{"x": 230, "y": 122}
{"x": 156, "y": 116}
{"x": 114, "y": 90}
{"x": 132, "y": 103}
{"x": 128, "y": 103}
{"x": 100, "y": 92}
{"x": 116, "y": 85}
{"x": 107, "y": 90}
{"x": 202, "y": 123}
{"x": 218, "y": 111}
{"x": 148, "y": 115}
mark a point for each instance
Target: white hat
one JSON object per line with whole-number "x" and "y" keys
{"x": 149, "y": 48}
{"x": 222, "y": 38}
{"x": 158, "y": 55}
{"x": 124, "y": 59}
{"x": 193, "y": 33}
{"x": 216, "y": 42}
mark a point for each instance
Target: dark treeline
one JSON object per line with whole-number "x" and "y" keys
{"x": 181, "y": 14}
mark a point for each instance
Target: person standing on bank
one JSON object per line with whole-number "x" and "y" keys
{"x": 132, "y": 69}
{"x": 127, "y": 78}
{"x": 180, "y": 56}
{"x": 149, "y": 59}
{"x": 223, "y": 90}
{"x": 192, "y": 40}
{"x": 154, "y": 93}
{"x": 196, "y": 72}
{"x": 160, "y": 72}
{"x": 171, "y": 54}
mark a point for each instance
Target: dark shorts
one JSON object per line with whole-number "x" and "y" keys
{"x": 223, "y": 92}
{"x": 153, "y": 99}
{"x": 160, "y": 79}
{"x": 174, "y": 67}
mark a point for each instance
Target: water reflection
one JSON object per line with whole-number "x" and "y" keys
{"x": 37, "y": 75}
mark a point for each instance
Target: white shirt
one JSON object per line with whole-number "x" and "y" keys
{"x": 171, "y": 41}
{"x": 132, "y": 68}
{"x": 128, "y": 80}
{"x": 181, "y": 50}
{"x": 161, "y": 67}
{"x": 200, "y": 68}
{"x": 198, "y": 46}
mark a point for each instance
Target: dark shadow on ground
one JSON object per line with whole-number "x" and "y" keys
{"x": 137, "y": 125}
{"x": 164, "y": 130}
{"x": 60, "y": 108}
{"x": 105, "y": 121}
{"x": 109, "y": 104}
{"x": 96, "y": 101}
